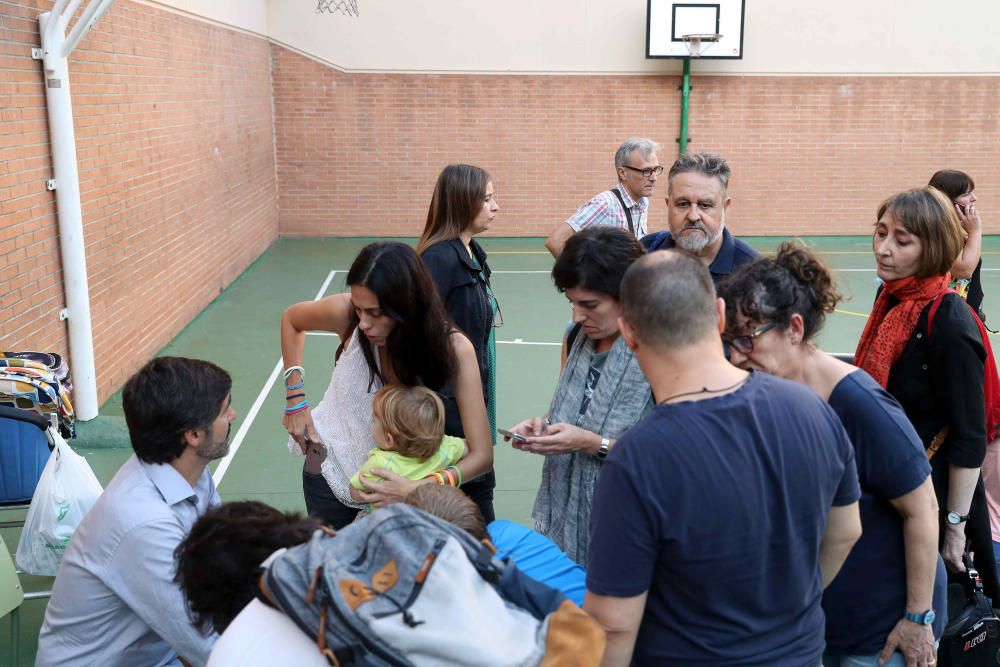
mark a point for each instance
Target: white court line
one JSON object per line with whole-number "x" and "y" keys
{"x": 523, "y": 342}
{"x": 223, "y": 466}
{"x": 873, "y": 270}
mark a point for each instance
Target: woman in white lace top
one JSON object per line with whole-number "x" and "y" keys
{"x": 394, "y": 330}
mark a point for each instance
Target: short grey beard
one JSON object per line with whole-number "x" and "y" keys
{"x": 695, "y": 246}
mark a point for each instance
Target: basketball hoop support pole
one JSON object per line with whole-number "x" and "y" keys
{"x": 685, "y": 96}
{"x": 56, "y": 48}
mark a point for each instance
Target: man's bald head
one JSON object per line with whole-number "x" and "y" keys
{"x": 668, "y": 299}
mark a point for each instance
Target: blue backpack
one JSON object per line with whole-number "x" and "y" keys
{"x": 402, "y": 587}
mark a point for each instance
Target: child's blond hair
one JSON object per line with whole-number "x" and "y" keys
{"x": 413, "y": 416}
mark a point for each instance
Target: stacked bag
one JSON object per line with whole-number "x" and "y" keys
{"x": 36, "y": 418}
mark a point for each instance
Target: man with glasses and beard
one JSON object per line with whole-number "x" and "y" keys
{"x": 114, "y": 601}
{"x": 696, "y": 214}
{"x": 625, "y": 205}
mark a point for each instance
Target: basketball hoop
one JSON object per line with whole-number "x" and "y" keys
{"x": 694, "y": 42}
{"x": 345, "y": 7}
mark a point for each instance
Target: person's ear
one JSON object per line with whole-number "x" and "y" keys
{"x": 725, "y": 204}
{"x": 193, "y": 437}
{"x": 628, "y": 334}
{"x": 720, "y": 313}
{"x": 796, "y": 329}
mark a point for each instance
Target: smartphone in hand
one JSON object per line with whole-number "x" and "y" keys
{"x": 516, "y": 437}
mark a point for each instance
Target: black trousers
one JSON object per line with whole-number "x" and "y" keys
{"x": 321, "y": 503}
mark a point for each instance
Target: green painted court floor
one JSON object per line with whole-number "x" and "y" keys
{"x": 239, "y": 331}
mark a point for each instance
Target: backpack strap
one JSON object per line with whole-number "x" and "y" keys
{"x": 935, "y": 304}
{"x": 628, "y": 213}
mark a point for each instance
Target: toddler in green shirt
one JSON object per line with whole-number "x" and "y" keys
{"x": 408, "y": 429}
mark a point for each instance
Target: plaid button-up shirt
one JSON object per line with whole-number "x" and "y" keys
{"x": 605, "y": 209}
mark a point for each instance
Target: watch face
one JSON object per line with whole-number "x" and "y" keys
{"x": 929, "y": 617}
{"x": 954, "y": 518}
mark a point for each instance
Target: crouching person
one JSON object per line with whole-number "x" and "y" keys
{"x": 114, "y": 600}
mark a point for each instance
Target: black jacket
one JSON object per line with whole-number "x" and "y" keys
{"x": 464, "y": 295}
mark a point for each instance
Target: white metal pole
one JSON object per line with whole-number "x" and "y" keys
{"x": 67, "y": 188}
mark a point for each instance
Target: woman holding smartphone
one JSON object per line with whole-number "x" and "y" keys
{"x": 601, "y": 392}
{"x": 966, "y": 272}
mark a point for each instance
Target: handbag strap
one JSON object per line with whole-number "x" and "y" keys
{"x": 628, "y": 212}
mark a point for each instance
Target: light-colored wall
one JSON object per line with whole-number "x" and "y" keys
{"x": 249, "y": 15}
{"x": 608, "y": 36}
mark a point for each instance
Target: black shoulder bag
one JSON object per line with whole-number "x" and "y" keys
{"x": 972, "y": 636}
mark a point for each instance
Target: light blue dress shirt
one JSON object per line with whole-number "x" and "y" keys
{"x": 114, "y": 601}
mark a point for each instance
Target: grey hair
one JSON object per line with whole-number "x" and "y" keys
{"x": 646, "y": 148}
{"x": 668, "y": 298}
{"x": 708, "y": 164}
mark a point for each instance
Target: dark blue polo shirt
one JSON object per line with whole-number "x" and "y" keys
{"x": 733, "y": 253}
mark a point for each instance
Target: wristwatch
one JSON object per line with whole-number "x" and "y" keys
{"x": 954, "y": 518}
{"x": 926, "y": 618}
{"x": 602, "y": 451}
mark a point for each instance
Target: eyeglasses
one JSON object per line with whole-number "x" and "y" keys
{"x": 647, "y": 172}
{"x": 497, "y": 314}
{"x": 744, "y": 344}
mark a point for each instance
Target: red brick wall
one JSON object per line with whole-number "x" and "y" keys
{"x": 176, "y": 155}
{"x": 358, "y": 153}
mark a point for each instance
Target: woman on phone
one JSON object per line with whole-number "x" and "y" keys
{"x": 966, "y": 272}
{"x": 394, "y": 331}
{"x": 463, "y": 206}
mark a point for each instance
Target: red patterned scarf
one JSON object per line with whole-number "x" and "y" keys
{"x": 888, "y": 330}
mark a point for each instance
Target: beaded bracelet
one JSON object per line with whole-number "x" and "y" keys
{"x": 296, "y": 408}
{"x": 292, "y": 387}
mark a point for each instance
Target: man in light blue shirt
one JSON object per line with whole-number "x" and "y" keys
{"x": 114, "y": 601}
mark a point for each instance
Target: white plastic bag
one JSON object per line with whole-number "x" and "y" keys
{"x": 66, "y": 491}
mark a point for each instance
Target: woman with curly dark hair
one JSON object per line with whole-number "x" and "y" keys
{"x": 774, "y": 309}
{"x": 394, "y": 331}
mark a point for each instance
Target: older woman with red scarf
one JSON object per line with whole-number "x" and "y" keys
{"x": 923, "y": 344}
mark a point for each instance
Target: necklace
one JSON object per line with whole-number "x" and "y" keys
{"x": 706, "y": 390}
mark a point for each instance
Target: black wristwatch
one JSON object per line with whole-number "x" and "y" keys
{"x": 954, "y": 518}
{"x": 602, "y": 451}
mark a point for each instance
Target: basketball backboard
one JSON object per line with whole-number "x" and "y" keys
{"x": 667, "y": 21}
